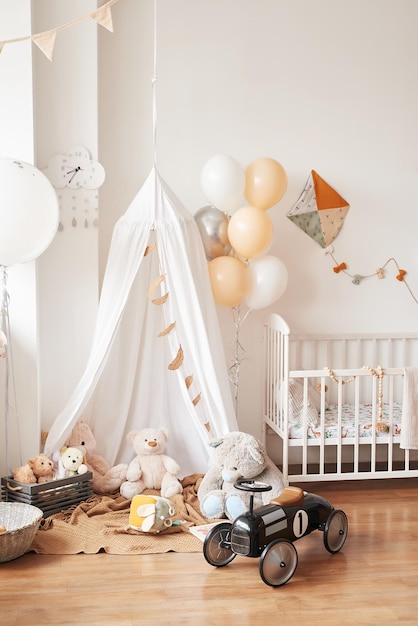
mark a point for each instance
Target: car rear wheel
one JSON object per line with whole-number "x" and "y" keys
{"x": 335, "y": 531}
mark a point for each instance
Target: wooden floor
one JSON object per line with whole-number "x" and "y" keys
{"x": 373, "y": 580}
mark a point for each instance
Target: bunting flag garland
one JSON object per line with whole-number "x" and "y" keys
{"x": 46, "y": 40}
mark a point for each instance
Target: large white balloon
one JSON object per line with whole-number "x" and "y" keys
{"x": 267, "y": 277}
{"x": 223, "y": 182}
{"x": 29, "y": 212}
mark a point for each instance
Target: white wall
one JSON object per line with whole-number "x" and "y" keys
{"x": 325, "y": 85}
{"x": 66, "y": 102}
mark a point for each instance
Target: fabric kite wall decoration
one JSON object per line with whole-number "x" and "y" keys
{"x": 319, "y": 211}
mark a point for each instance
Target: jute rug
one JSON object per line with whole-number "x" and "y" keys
{"x": 101, "y": 524}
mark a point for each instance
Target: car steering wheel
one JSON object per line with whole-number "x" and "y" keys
{"x": 248, "y": 484}
{"x": 253, "y": 486}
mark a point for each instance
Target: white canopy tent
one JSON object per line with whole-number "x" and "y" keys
{"x": 157, "y": 357}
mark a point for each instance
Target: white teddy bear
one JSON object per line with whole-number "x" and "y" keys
{"x": 151, "y": 468}
{"x": 71, "y": 463}
{"x": 237, "y": 455}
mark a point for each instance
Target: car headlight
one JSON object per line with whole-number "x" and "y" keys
{"x": 240, "y": 541}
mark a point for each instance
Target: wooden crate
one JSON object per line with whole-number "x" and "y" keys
{"x": 52, "y": 497}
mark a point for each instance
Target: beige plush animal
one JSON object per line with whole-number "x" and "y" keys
{"x": 106, "y": 479}
{"x": 38, "y": 469}
{"x": 236, "y": 455}
{"x": 72, "y": 462}
{"x": 151, "y": 468}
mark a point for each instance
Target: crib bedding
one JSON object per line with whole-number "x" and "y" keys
{"x": 348, "y": 422}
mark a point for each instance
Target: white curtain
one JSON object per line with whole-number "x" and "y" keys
{"x": 156, "y": 253}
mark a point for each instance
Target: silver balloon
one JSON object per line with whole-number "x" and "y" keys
{"x": 213, "y": 228}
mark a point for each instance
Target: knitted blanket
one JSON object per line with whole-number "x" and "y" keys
{"x": 101, "y": 523}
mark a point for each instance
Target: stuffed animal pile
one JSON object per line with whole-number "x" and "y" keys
{"x": 151, "y": 468}
{"x": 236, "y": 455}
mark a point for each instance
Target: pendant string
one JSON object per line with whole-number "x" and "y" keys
{"x": 154, "y": 90}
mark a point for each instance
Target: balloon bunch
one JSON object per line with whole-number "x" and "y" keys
{"x": 236, "y": 230}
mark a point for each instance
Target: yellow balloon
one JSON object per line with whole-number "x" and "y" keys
{"x": 228, "y": 277}
{"x": 265, "y": 183}
{"x": 250, "y": 231}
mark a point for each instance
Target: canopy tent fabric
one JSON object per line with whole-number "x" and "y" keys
{"x": 157, "y": 356}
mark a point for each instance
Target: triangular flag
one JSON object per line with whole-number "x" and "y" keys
{"x": 332, "y": 221}
{"x": 310, "y": 223}
{"x": 46, "y": 42}
{"x": 103, "y": 17}
{"x": 326, "y": 196}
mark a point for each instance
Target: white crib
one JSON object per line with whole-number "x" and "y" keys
{"x": 329, "y": 412}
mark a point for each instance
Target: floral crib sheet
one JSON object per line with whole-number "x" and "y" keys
{"x": 348, "y": 422}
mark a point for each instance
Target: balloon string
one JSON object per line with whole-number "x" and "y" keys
{"x": 154, "y": 90}
{"x": 238, "y": 350}
{"x": 4, "y": 324}
{"x": 5, "y": 327}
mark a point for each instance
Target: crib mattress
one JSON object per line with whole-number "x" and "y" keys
{"x": 348, "y": 422}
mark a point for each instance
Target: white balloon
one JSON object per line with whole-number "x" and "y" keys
{"x": 29, "y": 212}
{"x": 267, "y": 276}
{"x": 223, "y": 182}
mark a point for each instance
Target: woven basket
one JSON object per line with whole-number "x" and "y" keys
{"x": 21, "y": 522}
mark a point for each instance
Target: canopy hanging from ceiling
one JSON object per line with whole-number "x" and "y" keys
{"x": 157, "y": 356}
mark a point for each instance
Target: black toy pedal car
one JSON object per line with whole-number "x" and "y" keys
{"x": 268, "y": 531}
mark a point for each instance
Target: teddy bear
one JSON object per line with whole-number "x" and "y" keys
{"x": 151, "y": 468}
{"x": 106, "y": 479}
{"x": 71, "y": 462}
{"x": 236, "y": 455}
{"x": 38, "y": 469}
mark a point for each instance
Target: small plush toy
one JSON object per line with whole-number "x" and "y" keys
{"x": 106, "y": 479}
{"x": 236, "y": 455}
{"x": 151, "y": 514}
{"x": 38, "y": 469}
{"x": 72, "y": 462}
{"x": 151, "y": 468}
